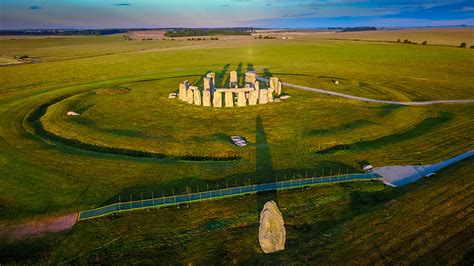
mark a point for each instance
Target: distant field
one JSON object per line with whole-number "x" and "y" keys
{"x": 438, "y": 36}
{"x": 120, "y": 88}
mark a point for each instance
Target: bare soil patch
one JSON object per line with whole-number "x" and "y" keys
{"x": 39, "y": 226}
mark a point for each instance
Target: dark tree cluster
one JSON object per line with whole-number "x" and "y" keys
{"x": 186, "y": 32}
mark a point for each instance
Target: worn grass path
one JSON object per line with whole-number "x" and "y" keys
{"x": 352, "y": 97}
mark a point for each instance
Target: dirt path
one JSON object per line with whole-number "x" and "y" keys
{"x": 39, "y": 226}
{"x": 368, "y": 99}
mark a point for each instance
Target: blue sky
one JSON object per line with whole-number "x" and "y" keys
{"x": 24, "y": 14}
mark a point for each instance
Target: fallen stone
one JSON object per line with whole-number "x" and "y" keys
{"x": 284, "y": 97}
{"x": 72, "y": 113}
{"x": 172, "y": 95}
{"x": 272, "y": 232}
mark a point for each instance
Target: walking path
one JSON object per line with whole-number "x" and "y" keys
{"x": 366, "y": 99}
{"x": 221, "y": 193}
{"x": 396, "y": 176}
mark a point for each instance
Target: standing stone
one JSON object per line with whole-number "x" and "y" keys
{"x": 212, "y": 76}
{"x": 270, "y": 95}
{"x": 207, "y": 84}
{"x": 278, "y": 90}
{"x": 190, "y": 95}
{"x": 206, "y": 98}
{"x": 263, "y": 97}
{"x": 229, "y": 99}
{"x": 217, "y": 99}
{"x": 272, "y": 232}
{"x": 241, "y": 100}
{"x": 273, "y": 83}
{"x": 182, "y": 92}
{"x": 197, "y": 95}
{"x": 233, "y": 79}
{"x": 250, "y": 78}
{"x": 253, "y": 96}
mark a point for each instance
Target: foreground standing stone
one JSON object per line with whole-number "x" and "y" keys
{"x": 272, "y": 233}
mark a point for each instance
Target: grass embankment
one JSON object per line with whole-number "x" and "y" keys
{"x": 428, "y": 222}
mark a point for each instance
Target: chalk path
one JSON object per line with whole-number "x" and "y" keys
{"x": 396, "y": 176}
{"x": 352, "y": 97}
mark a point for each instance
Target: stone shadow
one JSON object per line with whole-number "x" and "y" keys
{"x": 250, "y": 67}
{"x": 220, "y": 77}
{"x": 263, "y": 167}
{"x": 240, "y": 78}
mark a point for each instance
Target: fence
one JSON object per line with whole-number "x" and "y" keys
{"x": 221, "y": 193}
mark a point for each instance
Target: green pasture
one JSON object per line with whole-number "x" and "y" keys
{"x": 53, "y": 164}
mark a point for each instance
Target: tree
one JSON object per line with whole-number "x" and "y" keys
{"x": 424, "y": 43}
{"x": 399, "y": 40}
{"x": 463, "y": 45}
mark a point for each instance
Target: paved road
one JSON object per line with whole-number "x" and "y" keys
{"x": 396, "y": 176}
{"x": 222, "y": 193}
{"x": 366, "y": 99}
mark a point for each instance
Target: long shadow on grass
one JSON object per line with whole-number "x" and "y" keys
{"x": 263, "y": 164}
{"x": 240, "y": 78}
{"x": 220, "y": 77}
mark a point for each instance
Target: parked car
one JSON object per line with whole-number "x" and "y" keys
{"x": 368, "y": 167}
{"x": 239, "y": 141}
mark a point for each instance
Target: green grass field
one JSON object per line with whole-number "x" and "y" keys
{"x": 53, "y": 164}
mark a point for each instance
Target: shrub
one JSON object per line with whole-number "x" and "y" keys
{"x": 463, "y": 45}
{"x": 406, "y": 41}
{"x": 424, "y": 43}
{"x": 399, "y": 40}
{"x": 23, "y": 57}
{"x": 472, "y": 47}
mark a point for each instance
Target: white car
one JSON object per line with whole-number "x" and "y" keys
{"x": 239, "y": 141}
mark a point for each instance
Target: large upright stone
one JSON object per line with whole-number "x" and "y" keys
{"x": 206, "y": 98}
{"x": 212, "y": 76}
{"x": 182, "y": 92}
{"x": 253, "y": 96}
{"x": 229, "y": 99}
{"x": 278, "y": 90}
{"x": 190, "y": 96}
{"x": 233, "y": 81}
{"x": 272, "y": 232}
{"x": 197, "y": 95}
{"x": 270, "y": 95}
{"x": 217, "y": 99}
{"x": 250, "y": 78}
{"x": 263, "y": 97}
{"x": 241, "y": 99}
{"x": 207, "y": 83}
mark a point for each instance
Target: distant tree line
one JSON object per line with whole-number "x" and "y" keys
{"x": 364, "y": 28}
{"x": 186, "y": 32}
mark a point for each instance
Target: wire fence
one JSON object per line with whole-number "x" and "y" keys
{"x": 221, "y": 193}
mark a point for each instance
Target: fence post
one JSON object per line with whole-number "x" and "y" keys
{"x": 120, "y": 204}
{"x": 174, "y": 197}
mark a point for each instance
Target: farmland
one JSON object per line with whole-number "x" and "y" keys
{"x": 53, "y": 164}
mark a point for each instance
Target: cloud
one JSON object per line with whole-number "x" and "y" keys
{"x": 34, "y": 7}
{"x": 224, "y": 6}
{"x": 467, "y": 8}
{"x": 123, "y": 4}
